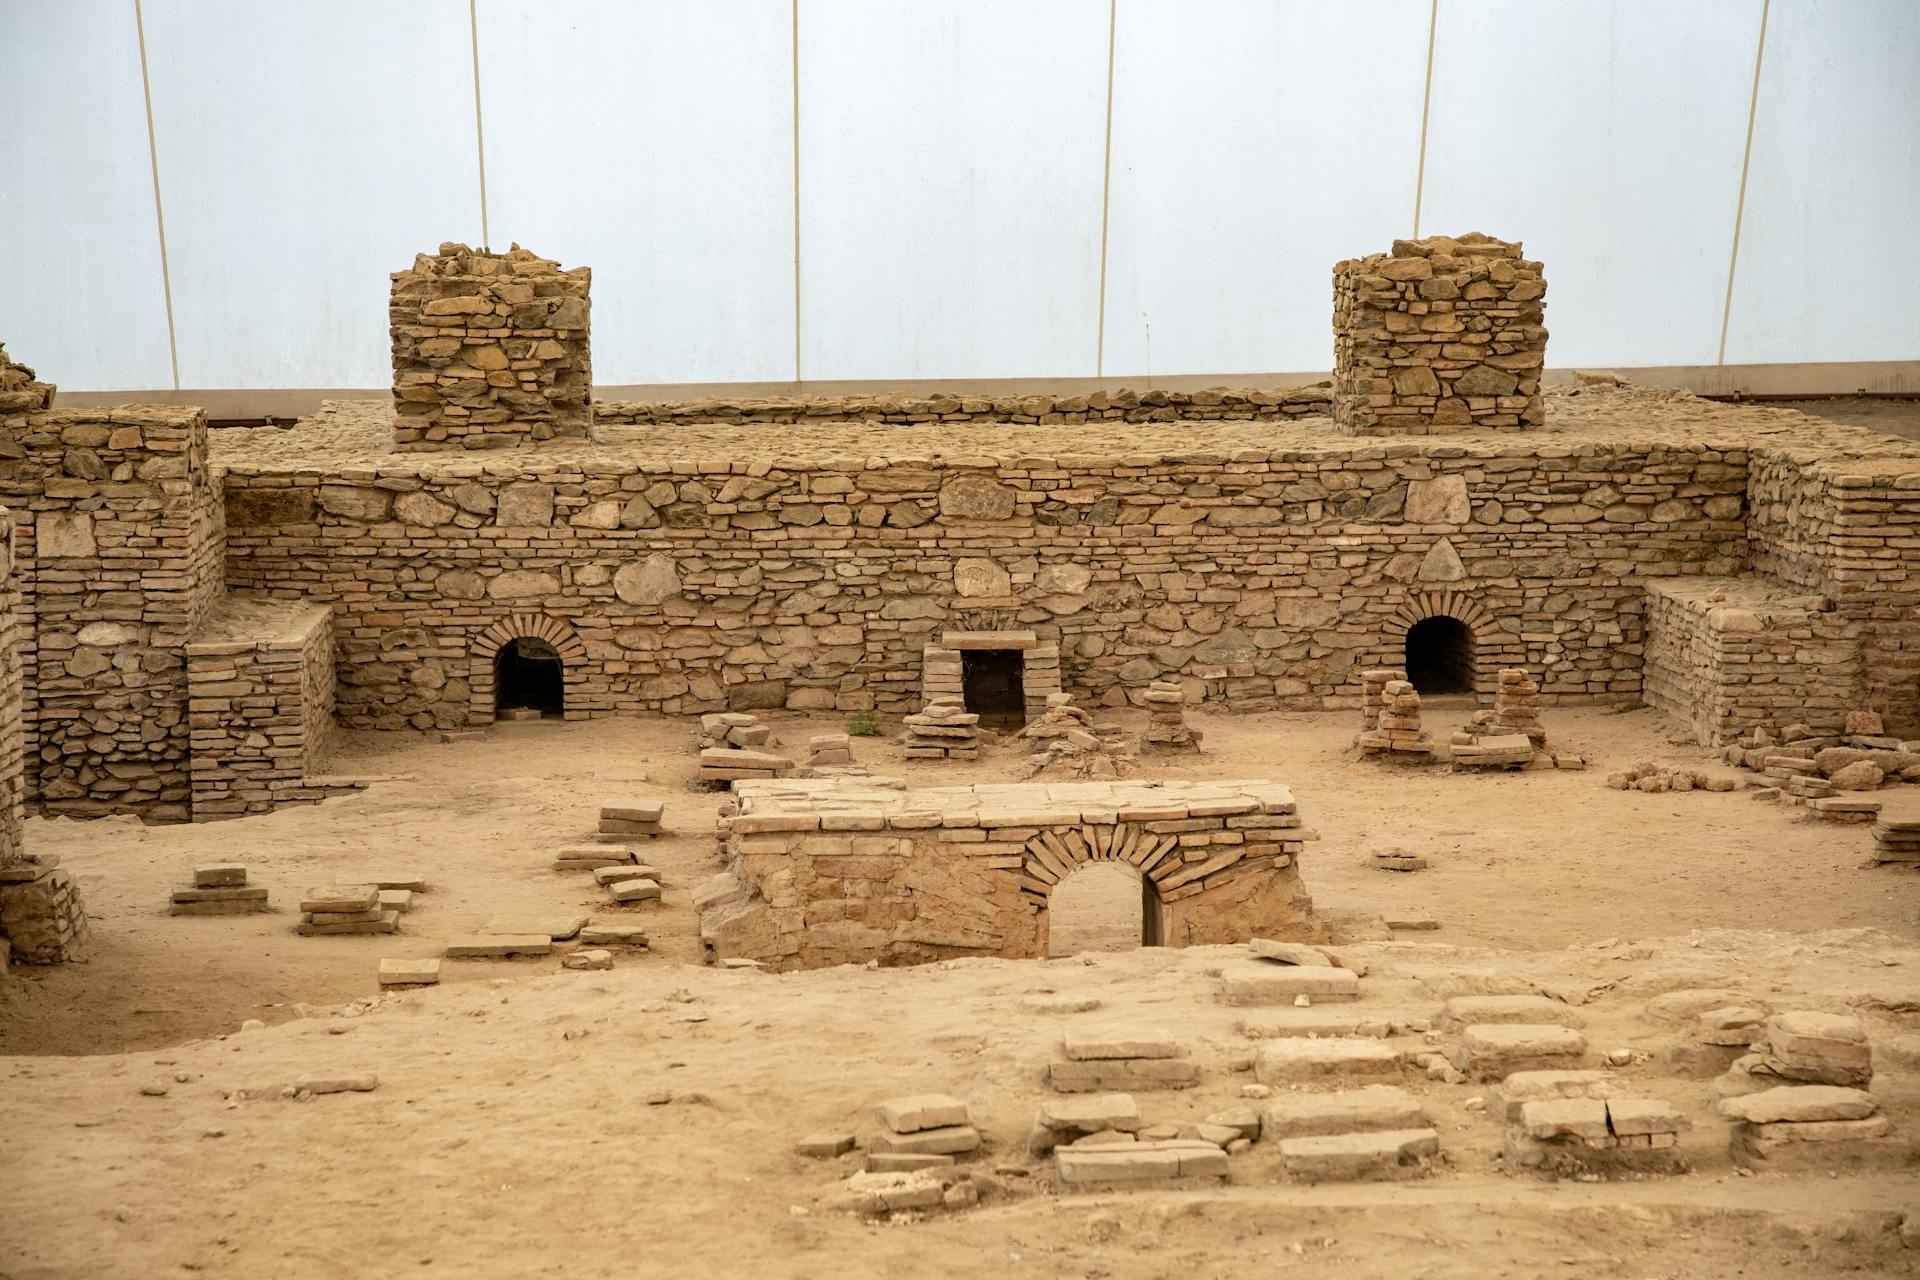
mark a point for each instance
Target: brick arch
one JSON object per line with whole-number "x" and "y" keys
{"x": 517, "y": 626}
{"x": 1493, "y": 648}
{"x": 1052, "y": 856}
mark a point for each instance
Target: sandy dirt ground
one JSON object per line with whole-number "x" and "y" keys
{"x": 531, "y": 1121}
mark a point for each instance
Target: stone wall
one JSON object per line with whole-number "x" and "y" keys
{"x": 845, "y": 871}
{"x": 41, "y": 918}
{"x": 120, "y": 557}
{"x": 260, "y": 686}
{"x": 1440, "y": 335}
{"x": 1262, "y": 579}
{"x": 489, "y": 350}
{"x": 1213, "y": 404}
{"x": 1726, "y": 655}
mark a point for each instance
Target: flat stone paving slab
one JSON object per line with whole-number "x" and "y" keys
{"x": 498, "y": 944}
{"x": 1521, "y": 1087}
{"x": 1481, "y": 1011}
{"x": 1359, "y": 1157}
{"x": 1293, "y": 1061}
{"x": 555, "y": 927}
{"x": 409, "y": 973}
{"x": 916, "y": 1112}
{"x": 1122, "y": 1075}
{"x": 1800, "y": 1102}
{"x": 1376, "y": 1108}
{"x": 1140, "y": 1162}
{"x": 1093, "y": 1042}
{"x": 1263, "y": 983}
{"x": 1491, "y": 1052}
{"x": 1321, "y": 1022}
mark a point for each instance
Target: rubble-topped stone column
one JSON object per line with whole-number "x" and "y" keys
{"x": 1440, "y": 335}
{"x": 490, "y": 351}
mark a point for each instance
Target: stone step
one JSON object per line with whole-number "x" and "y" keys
{"x": 1359, "y": 1157}
{"x": 1292, "y": 1061}
{"x": 1483, "y": 1011}
{"x": 1265, "y": 983}
{"x": 1374, "y": 1109}
{"x": 1140, "y": 1162}
{"x": 1493, "y": 1052}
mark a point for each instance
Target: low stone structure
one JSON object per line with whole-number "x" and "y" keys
{"x": 839, "y": 871}
{"x": 259, "y": 706}
{"x": 1440, "y": 335}
{"x": 490, "y": 350}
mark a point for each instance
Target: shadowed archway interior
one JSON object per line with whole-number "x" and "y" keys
{"x": 528, "y": 672}
{"x": 1439, "y": 656}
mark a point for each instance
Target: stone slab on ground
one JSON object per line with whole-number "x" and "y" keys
{"x": 635, "y": 889}
{"x": 946, "y": 1140}
{"x": 1359, "y": 1157}
{"x": 588, "y": 959}
{"x": 1370, "y": 1110}
{"x": 492, "y": 945}
{"x": 905, "y": 1161}
{"x": 613, "y": 935}
{"x": 1484, "y": 1011}
{"x": 213, "y": 875}
{"x": 823, "y": 1146}
{"x": 1091, "y": 1043}
{"x": 914, "y": 1113}
{"x": 1122, "y": 1075}
{"x": 1323, "y": 1022}
{"x": 1835, "y": 1145}
{"x": 1293, "y": 1061}
{"x": 358, "y": 897}
{"x": 1135, "y": 1162}
{"x": 1263, "y": 983}
{"x": 1800, "y": 1103}
{"x": 1496, "y": 1051}
{"x": 409, "y": 973}
{"x": 1289, "y": 952}
{"x": 389, "y": 922}
{"x": 629, "y": 809}
{"x": 557, "y": 927}
{"x": 1522, "y": 1087}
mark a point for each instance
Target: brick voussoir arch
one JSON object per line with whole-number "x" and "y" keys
{"x": 1492, "y": 648}
{"x": 522, "y": 626}
{"x": 1051, "y": 856}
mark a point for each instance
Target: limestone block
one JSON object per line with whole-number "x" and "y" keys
{"x": 1256, "y": 984}
{"x": 1356, "y": 1157}
{"x": 1372, "y": 1109}
{"x": 1290, "y": 1061}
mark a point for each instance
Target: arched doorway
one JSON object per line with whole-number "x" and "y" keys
{"x": 1439, "y": 655}
{"x": 529, "y": 673}
{"x": 1102, "y": 906}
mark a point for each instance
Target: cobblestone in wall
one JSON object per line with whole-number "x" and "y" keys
{"x": 1265, "y": 579}
{"x": 846, "y": 871}
{"x": 1441, "y": 335}
{"x": 260, "y": 687}
{"x": 1725, "y": 655}
{"x": 120, "y": 556}
{"x": 489, "y": 350}
{"x": 1212, "y": 404}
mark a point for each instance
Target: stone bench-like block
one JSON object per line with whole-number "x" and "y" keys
{"x": 1359, "y": 1157}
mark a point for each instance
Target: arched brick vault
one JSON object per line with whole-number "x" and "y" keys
{"x": 516, "y": 626}
{"x": 1493, "y": 648}
{"x": 1052, "y": 856}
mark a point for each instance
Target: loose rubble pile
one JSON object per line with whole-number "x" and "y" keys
{"x": 346, "y": 909}
{"x": 218, "y": 889}
{"x": 1167, "y": 728}
{"x": 1803, "y": 765}
{"x": 729, "y": 743}
{"x": 1068, "y": 742}
{"x": 1390, "y": 716}
{"x": 944, "y": 730}
{"x": 1651, "y": 777}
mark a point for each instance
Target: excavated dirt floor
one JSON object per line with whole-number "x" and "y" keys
{"x": 532, "y": 1121}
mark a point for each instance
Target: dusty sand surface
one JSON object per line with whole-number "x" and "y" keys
{"x": 514, "y": 1132}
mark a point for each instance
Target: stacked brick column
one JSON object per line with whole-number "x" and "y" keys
{"x": 489, "y": 351}
{"x": 1440, "y": 335}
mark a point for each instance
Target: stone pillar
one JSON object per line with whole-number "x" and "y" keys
{"x": 490, "y": 351}
{"x": 1440, "y": 335}
{"x": 120, "y": 556}
{"x": 41, "y": 918}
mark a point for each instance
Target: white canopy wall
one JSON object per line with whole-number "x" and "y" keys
{"x": 842, "y": 190}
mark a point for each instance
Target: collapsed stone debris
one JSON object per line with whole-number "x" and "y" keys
{"x": 1655, "y": 778}
{"x": 1390, "y": 708}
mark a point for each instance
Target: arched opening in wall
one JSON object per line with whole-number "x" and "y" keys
{"x": 1102, "y": 906}
{"x": 993, "y": 686}
{"x": 1440, "y": 656}
{"x": 528, "y": 674}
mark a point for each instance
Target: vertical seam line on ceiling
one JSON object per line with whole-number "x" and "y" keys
{"x": 159, "y": 214}
{"x": 479, "y": 127}
{"x": 1740, "y": 203}
{"x": 1106, "y": 196}
{"x": 1426, "y": 104}
{"x": 793, "y": 36}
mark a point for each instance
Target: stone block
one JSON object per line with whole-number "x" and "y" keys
{"x": 918, "y": 1112}
{"x": 1139, "y": 1162}
{"x": 409, "y": 973}
{"x": 1257, "y": 984}
{"x": 494, "y": 945}
{"x": 210, "y": 875}
{"x": 1471, "y": 1011}
{"x": 1082, "y": 1044}
{"x": 1284, "y": 1062}
{"x": 1369, "y": 1110}
{"x": 1493, "y": 1052}
{"x": 1359, "y": 1157}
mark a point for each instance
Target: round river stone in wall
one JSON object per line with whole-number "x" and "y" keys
{"x": 649, "y": 581}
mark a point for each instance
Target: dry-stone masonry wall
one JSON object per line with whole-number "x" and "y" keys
{"x": 120, "y": 557}
{"x": 1263, "y": 579}
{"x": 844, "y": 871}
{"x": 1441, "y": 335}
{"x": 1726, "y": 655}
{"x": 1213, "y": 404}
{"x": 489, "y": 350}
{"x": 260, "y": 682}
{"x": 41, "y": 918}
